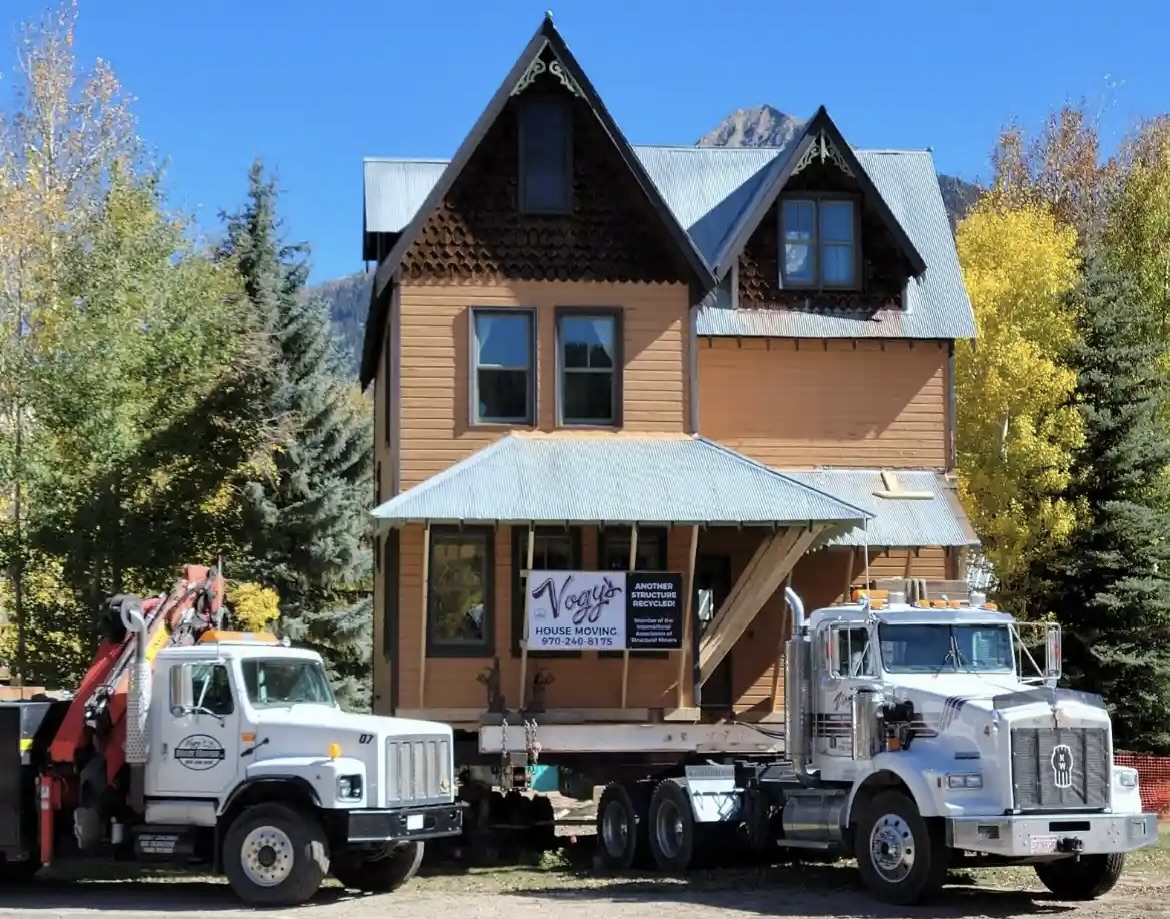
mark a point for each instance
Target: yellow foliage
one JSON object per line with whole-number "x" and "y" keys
{"x": 255, "y": 608}
{"x": 1016, "y": 428}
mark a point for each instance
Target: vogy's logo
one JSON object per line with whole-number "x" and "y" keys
{"x": 1062, "y": 765}
{"x": 582, "y": 603}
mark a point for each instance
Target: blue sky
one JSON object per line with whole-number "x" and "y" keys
{"x": 313, "y": 86}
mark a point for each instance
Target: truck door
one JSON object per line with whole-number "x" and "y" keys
{"x": 198, "y": 733}
{"x": 848, "y": 661}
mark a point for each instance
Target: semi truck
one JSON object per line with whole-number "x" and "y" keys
{"x": 917, "y": 737}
{"x": 190, "y": 743}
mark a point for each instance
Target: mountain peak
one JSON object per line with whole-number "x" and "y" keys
{"x": 759, "y": 126}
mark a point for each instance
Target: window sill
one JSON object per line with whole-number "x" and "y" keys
{"x": 589, "y": 426}
{"x": 485, "y": 652}
{"x": 501, "y": 425}
{"x": 820, "y": 288}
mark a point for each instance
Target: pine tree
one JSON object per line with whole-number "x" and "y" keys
{"x": 1110, "y": 587}
{"x": 307, "y": 519}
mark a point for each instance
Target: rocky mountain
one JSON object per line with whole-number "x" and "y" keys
{"x": 762, "y": 126}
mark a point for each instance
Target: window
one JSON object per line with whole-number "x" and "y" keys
{"x": 855, "y": 655}
{"x": 819, "y": 239}
{"x": 552, "y": 550}
{"x": 282, "y": 681}
{"x": 613, "y": 550}
{"x": 589, "y": 361}
{"x": 459, "y": 594}
{"x": 546, "y": 156}
{"x": 212, "y": 689}
{"x": 933, "y": 648}
{"x": 503, "y": 381}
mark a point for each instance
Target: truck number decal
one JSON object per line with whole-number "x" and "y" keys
{"x": 366, "y": 738}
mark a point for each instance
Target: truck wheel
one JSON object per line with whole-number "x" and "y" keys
{"x": 899, "y": 859}
{"x": 378, "y": 870}
{"x": 621, "y": 828}
{"x": 275, "y": 855}
{"x": 672, "y": 826}
{"x": 1086, "y": 878}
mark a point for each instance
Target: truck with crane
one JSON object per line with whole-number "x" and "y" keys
{"x": 918, "y": 737}
{"x": 188, "y": 743}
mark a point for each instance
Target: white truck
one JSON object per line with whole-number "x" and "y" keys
{"x": 917, "y": 738}
{"x": 189, "y": 744}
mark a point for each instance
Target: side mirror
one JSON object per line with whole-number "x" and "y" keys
{"x": 182, "y": 698}
{"x": 832, "y": 650}
{"x": 1052, "y": 664}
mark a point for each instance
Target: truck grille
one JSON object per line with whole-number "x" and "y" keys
{"x": 418, "y": 770}
{"x": 1060, "y": 768}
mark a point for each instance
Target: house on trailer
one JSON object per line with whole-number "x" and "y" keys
{"x": 625, "y": 394}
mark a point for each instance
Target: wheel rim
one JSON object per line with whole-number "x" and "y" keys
{"x": 668, "y": 829}
{"x": 267, "y": 856}
{"x": 892, "y": 848}
{"x": 615, "y": 829}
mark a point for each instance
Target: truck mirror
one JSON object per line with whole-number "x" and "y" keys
{"x": 181, "y": 689}
{"x": 833, "y": 649}
{"x": 1052, "y": 666}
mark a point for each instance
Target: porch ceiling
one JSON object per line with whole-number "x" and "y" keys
{"x": 616, "y": 479}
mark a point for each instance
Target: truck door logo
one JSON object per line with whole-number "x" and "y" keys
{"x": 199, "y": 752}
{"x": 1062, "y": 765}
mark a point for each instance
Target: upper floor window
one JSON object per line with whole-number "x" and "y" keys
{"x": 459, "y": 594}
{"x": 546, "y": 155}
{"x": 819, "y": 242}
{"x": 503, "y": 380}
{"x": 589, "y": 364}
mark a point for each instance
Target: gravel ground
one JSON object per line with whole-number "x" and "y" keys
{"x": 807, "y": 891}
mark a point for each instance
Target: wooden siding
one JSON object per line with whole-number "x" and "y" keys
{"x": 434, "y": 429}
{"x": 794, "y": 404}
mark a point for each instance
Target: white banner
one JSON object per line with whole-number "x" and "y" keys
{"x": 576, "y": 610}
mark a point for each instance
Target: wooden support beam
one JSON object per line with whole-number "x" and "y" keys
{"x": 626, "y": 649}
{"x": 850, "y": 561}
{"x": 422, "y": 640}
{"x": 688, "y": 614}
{"x": 524, "y": 626}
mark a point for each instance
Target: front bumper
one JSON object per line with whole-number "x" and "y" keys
{"x": 1052, "y": 834}
{"x": 406, "y": 824}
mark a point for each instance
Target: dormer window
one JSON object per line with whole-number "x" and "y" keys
{"x": 546, "y": 155}
{"x": 819, "y": 242}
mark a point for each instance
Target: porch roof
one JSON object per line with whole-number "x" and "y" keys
{"x": 909, "y": 507}
{"x": 615, "y": 479}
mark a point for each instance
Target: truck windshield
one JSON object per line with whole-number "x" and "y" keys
{"x": 930, "y": 647}
{"x": 286, "y": 681}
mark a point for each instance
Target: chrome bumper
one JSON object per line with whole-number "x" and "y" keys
{"x": 1052, "y": 834}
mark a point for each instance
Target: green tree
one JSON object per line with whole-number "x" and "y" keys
{"x": 308, "y": 520}
{"x": 1110, "y": 587}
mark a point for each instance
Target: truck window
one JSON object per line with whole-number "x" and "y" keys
{"x": 930, "y": 647}
{"x": 212, "y": 689}
{"x": 286, "y": 681}
{"x": 853, "y": 649}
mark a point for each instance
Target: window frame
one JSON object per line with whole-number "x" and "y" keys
{"x": 817, "y": 198}
{"x": 661, "y": 538}
{"x": 212, "y": 666}
{"x": 519, "y": 560}
{"x": 531, "y": 314}
{"x": 615, "y": 314}
{"x": 526, "y": 106}
{"x": 485, "y": 648}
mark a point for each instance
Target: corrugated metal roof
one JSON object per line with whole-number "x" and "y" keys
{"x": 617, "y": 479}
{"x": 707, "y": 189}
{"x": 897, "y": 522}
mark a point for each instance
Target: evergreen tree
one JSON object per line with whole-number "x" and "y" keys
{"x": 1110, "y": 587}
{"x": 307, "y": 518}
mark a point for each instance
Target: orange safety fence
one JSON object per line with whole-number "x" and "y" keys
{"x": 1153, "y": 779}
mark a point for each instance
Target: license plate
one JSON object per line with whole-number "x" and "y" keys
{"x": 1042, "y": 845}
{"x": 415, "y": 822}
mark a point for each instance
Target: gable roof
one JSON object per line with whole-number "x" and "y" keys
{"x": 546, "y": 36}
{"x": 819, "y": 137}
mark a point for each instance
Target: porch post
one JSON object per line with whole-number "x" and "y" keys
{"x": 422, "y": 640}
{"x": 524, "y": 623}
{"x": 688, "y": 613}
{"x": 626, "y": 650}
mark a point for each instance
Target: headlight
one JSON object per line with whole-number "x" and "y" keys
{"x": 965, "y": 780}
{"x": 349, "y": 786}
{"x": 1127, "y": 778}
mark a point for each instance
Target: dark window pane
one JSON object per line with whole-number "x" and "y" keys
{"x": 649, "y": 558}
{"x": 503, "y": 340}
{"x": 503, "y": 395}
{"x": 553, "y": 553}
{"x": 503, "y": 350}
{"x": 588, "y": 396}
{"x": 588, "y": 341}
{"x": 837, "y": 221}
{"x": 458, "y": 582}
{"x": 545, "y": 139}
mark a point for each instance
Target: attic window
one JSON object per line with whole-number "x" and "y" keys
{"x": 819, "y": 242}
{"x": 546, "y": 155}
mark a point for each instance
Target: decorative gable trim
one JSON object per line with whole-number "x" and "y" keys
{"x": 822, "y": 150}
{"x": 555, "y": 67}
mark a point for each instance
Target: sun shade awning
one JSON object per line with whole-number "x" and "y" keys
{"x": 615, "y": 479}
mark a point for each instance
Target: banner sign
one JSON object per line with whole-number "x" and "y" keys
{"x": 604, "y": 610}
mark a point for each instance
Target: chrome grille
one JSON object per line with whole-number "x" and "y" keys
{"x": 1060, "y": 768}
{"x": 418, "y": 770}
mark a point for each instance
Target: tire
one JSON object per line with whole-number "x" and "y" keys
{"x": 900, "y": 860}
{"x": 275, "y": 855}
{"x": 671, "y": 827}
{"x": 622, "y": 839}
{"x": 18, "y": 872}
{"x": 1086, "y": 878}
{"x": 542, "y": 835}
{"x": 380, "y": 870}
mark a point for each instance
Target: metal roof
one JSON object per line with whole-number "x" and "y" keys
{"x": 937, "y": 520}
{"x": 616, "y": 479}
